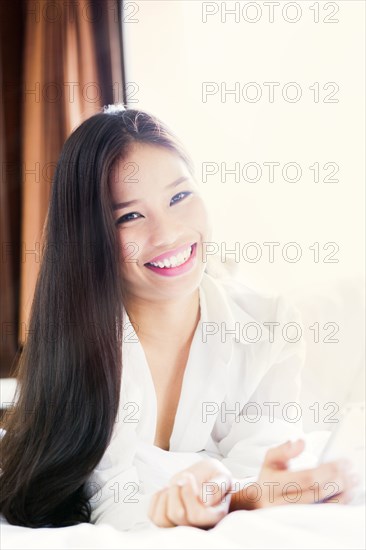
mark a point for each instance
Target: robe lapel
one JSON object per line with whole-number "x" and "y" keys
{"x": 205, "y": 380}
{"x": 137, "y": 380}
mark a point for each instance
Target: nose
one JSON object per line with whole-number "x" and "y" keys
{"x": 165, "y": 232}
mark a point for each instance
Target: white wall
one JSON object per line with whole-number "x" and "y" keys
{"x": 170, "y": 52}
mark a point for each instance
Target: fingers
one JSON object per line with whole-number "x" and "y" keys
{"x": 181, "y": 504}
{"x": 341, "y": 498}
{"x": 157, "y": 510}
{"x": 323, "y": 483}
{"x": 175, "y": 508}
{"x": 196, "y": 512}
{"x": 167, "y": 508}
{"x": 335, "y": 473}
{"x": 334, "y": 477}
{"x": 277, "y": 457}
{"x": 211, "y": 478}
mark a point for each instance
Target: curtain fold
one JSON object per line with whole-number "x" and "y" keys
{"x": 73, "y": 63}
{"x": 11, "y": 52}
{"x": 7, "y": 311}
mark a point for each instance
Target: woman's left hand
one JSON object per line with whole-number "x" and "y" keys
{"x": 277, "y": 485}
{"x": 197, "y": 496}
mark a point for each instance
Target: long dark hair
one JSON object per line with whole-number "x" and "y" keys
{"x": 69, "y": 373}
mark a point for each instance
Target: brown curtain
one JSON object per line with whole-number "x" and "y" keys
{"x": 11, "y": 54}
{"x": 73, "y": 65}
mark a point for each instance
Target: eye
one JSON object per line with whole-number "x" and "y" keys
{"x": 127, "y": 218}
{"x": 180, "y": 196}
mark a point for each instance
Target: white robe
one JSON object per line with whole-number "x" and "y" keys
{"x": 240, "y": 380}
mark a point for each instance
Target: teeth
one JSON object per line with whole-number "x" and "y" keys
{"x": 174, "y": 261}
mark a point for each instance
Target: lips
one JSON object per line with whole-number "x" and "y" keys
{"x": 163, "y": 269}
{"x": 172, "y": 257}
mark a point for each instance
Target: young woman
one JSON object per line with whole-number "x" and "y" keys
{"x": 139, "y": 362}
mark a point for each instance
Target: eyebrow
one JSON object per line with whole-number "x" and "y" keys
{"x": 128, "y": 203}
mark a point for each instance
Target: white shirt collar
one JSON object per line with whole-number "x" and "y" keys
{"x": 221, "y": 319}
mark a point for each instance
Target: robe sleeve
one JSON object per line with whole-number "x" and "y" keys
{"x": 115, "y": 490}
{"x": 119, "y": 501}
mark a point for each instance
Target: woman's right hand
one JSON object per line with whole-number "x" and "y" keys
{"x": 186, "y": 501}
{"x": 276, "y": 485}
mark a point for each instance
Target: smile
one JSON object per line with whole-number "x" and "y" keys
{"x": 174, "y": 265}
{"x": 174, "y": 261}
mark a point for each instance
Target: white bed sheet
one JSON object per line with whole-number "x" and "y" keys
{"x": 318, "y": 526}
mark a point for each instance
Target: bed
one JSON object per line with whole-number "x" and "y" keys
{"x": 318, "y": 526}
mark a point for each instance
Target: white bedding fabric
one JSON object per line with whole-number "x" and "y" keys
{"x": 319, "y": 526}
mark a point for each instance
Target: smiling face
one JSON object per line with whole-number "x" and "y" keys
{"x": 162, "y": 229}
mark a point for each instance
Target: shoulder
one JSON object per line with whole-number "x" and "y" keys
{"x": 242, "y": 298}
{"x": 261, "y": 305}
{"x": 263, "y": 321}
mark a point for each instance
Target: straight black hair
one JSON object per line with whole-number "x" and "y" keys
{"x": 69, "y": 373}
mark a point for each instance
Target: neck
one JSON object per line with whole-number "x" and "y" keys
{"x": 165, "y": 322}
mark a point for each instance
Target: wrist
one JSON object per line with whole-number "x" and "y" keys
{"x": 240, "y": 500}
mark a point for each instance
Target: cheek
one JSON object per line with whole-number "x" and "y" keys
{"x": 199, "y": 218}
{"x": 130, "y": 245}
